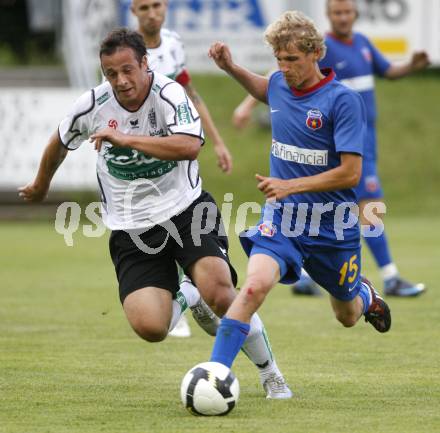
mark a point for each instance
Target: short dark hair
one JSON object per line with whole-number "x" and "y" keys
{"x": 330, "y": 1}
{"x": 123, "y": 38}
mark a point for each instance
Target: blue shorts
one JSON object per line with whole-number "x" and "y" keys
{"x": 336, "y": 268}
{"x": 369, "y": 186}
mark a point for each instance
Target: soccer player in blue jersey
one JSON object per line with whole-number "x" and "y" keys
{"x": 318, "y": 131}
{"x": 356, "y": 61}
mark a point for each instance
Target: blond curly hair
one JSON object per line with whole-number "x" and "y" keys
{"x": 293, "y": 27}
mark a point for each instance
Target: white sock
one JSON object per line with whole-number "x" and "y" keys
{"x": 190, "y": 292}
{"x": 187, "y": 296}
{"x": 269, "y": 370}
{"x": 178, "y": 311}
{"x": 257, "y": 346}
{"x": 389, "y": 271}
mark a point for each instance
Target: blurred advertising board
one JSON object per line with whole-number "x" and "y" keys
{"x": 397, "y": 27}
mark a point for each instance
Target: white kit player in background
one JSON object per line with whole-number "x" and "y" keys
{"x": 148, "y": 135}
{"x": 166, "y": 55}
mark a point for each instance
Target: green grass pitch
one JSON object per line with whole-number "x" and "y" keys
{"x": 69, "y": 361}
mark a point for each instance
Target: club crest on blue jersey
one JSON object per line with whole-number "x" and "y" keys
{"x": 314, "y": 119}
{"x": 367, "y": 54}
{"x": 372, "y": 183}
{"x": 267, "y": 229}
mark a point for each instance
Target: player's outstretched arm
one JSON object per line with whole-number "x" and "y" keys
{"x": 224, "y": 158}
{"x": 52, "y": 158}
{"x": 243, "y": 113}
{"x": 419, "y": 61}
{"x": 255, "y": 84}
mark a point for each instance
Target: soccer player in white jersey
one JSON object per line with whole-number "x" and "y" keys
{"x": 148, "y": 135}
{"x": 167, "y": 56}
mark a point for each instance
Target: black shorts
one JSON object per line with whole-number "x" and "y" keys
{"x": 149, "y": 259}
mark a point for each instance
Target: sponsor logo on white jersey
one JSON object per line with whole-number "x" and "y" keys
{"x": 183, "y": 114}
{"x": 134, "y": 124}
{"x": 112, "y": 123}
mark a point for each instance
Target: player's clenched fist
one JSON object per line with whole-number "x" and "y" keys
{"x": 420, "y": 60}
{"x": 33, "y": 192}
{"x": 221, "y": 55}
{"x": 274, "y": 188}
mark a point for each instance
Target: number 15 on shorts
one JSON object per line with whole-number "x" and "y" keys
{"x": 349, "y": 271}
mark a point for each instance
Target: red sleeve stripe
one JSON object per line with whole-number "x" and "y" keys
{"x": 183, "y": 78}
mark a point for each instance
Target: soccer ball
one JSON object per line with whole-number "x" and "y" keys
{"x": 209, "y": 388}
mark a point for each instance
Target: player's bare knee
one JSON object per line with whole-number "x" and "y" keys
{"x": 218, "y": 294}
{"x": 254, "y": 295}
{"x": 255, "y": 290}
{"x": 152, "y": 334}
{"x": 348, "y": 320}
{"x": 222, "y": 299}
{"x": 258, "y": 284}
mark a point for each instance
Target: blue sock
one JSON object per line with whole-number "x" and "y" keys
{"x": 379, "y": 248}
{"x": 231, "y": 335}
{"x": 365, "y": 294}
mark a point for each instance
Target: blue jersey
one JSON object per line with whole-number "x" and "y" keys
{"x": 355, "y": 64}
{"x": 310, "y": 130}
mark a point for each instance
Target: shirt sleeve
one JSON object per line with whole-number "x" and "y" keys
{"x": 182, "y": 75}
{"x": 275, "y": 75}
{"x": 380, "y": 63}
{"x": 183, "y": 78}
{"x": 180, "y": 114}
{"x": 74, "y": 128}
{"x": 349, "y": 123}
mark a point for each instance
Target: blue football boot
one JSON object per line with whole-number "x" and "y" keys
{"x": 402, "y": 288}
{"x": 305, "y": 286}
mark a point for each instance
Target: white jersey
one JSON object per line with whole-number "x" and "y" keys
{"x": 169, "y": 57}
{"x": 138, "y": 191}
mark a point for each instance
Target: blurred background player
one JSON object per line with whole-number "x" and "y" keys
{"x": 356, "y": 61}
{"x": 316, "y": 157}
{"x": 166, "y": 55}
